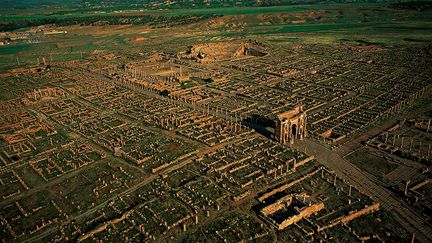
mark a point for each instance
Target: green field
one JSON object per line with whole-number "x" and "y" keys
{"x": 354, "y": 23}
{"x": 370, "y": 163}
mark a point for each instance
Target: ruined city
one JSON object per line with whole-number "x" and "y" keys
{"x": 217, "y": 137}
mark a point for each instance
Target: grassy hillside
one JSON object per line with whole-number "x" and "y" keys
{"x": 90, "y": 31}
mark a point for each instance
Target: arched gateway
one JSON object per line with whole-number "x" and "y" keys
{"x": 291, "y": 125}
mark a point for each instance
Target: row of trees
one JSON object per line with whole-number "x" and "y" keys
{"x": 153, "y": 20}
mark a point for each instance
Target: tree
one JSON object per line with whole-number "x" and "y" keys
{"x": 164, "y": 93}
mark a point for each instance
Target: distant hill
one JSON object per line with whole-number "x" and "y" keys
{"x": 165, "y": 4}
{"x": 8, "y": 7}
{"x": 16, "y": 14}
{"x": 36, "y": 3}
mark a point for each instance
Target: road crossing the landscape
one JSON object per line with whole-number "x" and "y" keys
{"x": 404, "y": 215}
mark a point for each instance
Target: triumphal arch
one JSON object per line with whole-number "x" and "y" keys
{"x": 291, "y": 125}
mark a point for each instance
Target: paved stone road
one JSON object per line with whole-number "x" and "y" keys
{"x": 412, "y": 221}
